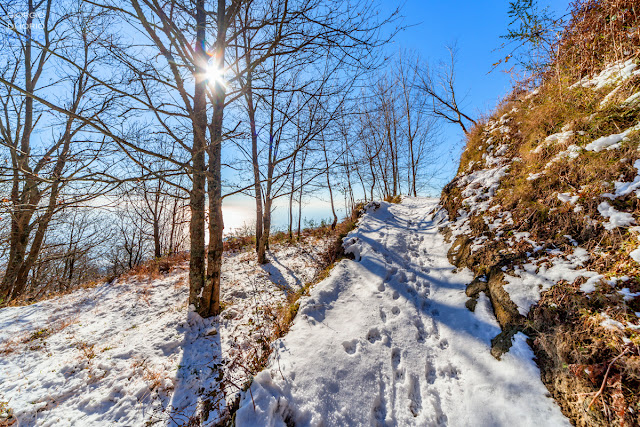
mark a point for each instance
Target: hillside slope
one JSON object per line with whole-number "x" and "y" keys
{"x": 130, "y": 352}
{"x": 545, "y": 211}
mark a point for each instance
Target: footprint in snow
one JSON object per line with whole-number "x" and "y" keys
{"x": 373, "y": 335}
{"x": 390, "y": 272}
{"x": 430, "y": 371}
{"x": 401, "y": 277}
{"x": 415, "y": 399}
{"x": 449, "y": 371}
{"x": 395, "y": 310}
{"x": 395, "y": 295}
{"x": 444, "y": 344}
{"x": 396, "y": 357}
{"x": 350, "y": 347}
{"x": 421, "y": 334}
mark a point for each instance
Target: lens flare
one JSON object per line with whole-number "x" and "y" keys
{"x": 215, "y": 75}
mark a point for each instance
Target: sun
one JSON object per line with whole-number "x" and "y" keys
{"x": 215, "y": 74}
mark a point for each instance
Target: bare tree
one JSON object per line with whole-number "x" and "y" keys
{"x": 440, "y": 87}
{"x": 45, "y": 175}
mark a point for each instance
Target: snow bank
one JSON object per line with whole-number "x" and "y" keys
{"x": 556, "y": 138}
{"x": 626, "y": 188}
{"x": 568, "y": 198}
{"x": 613, "y": 74}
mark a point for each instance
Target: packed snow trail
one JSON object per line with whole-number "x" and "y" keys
{"x": 386, "y": 340}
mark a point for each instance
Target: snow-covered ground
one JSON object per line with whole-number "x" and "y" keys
{"x": 387, "y": 340}
{"x": 129, "y": 353}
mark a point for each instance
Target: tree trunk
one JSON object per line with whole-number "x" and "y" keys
{"x": 263, "y": 244}
{"x": 254, "y": 154}
{"x": 326, "y": 162}
{"x": 293, "y": 188}
{"x": 216, "y": 225}
{"x": 197, "y": 196}
{"x": 302, "y": 161}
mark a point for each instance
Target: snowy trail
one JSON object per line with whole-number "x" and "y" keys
{"x": 386, "y": 340}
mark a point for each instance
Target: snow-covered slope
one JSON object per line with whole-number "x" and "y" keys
{"x": 387, "y": 340}
{"x": 129, "y": 353}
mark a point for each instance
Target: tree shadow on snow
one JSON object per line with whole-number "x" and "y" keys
{"x": 277, "y": 271}
{"x": 199, "y": 373}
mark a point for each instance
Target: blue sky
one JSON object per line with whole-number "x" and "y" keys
{"x": 475, "y": 26}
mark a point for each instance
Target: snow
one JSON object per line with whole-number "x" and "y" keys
{"x": 613, "y": 74}
{"x": 532, "y": 93}
{"x": 611, "y": 324}
{"x": 387, "y": 340}
{"x": 628, "y": 295}
{"x": 533, "y": 278}
{"x": 616, "y": 218}
{"x": 568, "y": 198}
{"x": 572, "y": 152}
{"x": 632, "y": 99}
{"x": 590, "y": 285}
{"x": 481, "y": 186}
{"x": 131, "y": 352}
{"x": 626, "y": 188}
{"x": 610, "y": 95}
{"x": 556, "y": 138}
{"x": 611, "y": 142}
{"x": 615, "y": 325}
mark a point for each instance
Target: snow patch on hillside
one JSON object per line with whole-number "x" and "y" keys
{"x": 533, "y": 278}
{"x": 615, "y": 217}
{"x": 614, "y": 74}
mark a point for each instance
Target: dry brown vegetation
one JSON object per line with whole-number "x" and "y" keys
{"x": 592, "y": 371}
{"x": 600, "y": 32}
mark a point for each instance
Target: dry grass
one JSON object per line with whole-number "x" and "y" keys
{"x": 156, "y": 268}
{"x": 393, "y": 199}
{"x": 6, "y": 415}
{"x": 600, "y": 32}
{"x": 572, "y": 345}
